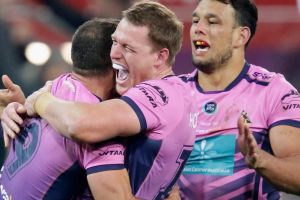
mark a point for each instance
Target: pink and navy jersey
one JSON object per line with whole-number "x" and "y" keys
{"x": 156, "y": 156}
{"x": 216, "y": 168}
{"x": 42, "y": 164}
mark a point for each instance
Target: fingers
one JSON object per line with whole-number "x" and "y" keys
{"x": 11, "y": 116}
{"x": 6, "y": 140}
{"x": 12, "y": 92}
{"x": 252, "y": 145}
{"x": 241, "y": 125}
{"x": 48, "y": 85}
{"x": 11, "y": 120}
{"x": 7, "y": 82}
{"x": 7, "y": 134}
{"x": 10, "y": 126}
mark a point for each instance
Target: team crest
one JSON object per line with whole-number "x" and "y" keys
{"x": 209, "y": 107}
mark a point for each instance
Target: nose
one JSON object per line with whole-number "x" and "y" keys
{"x": 115, "y": 52}
{"x": 200, "y": 27}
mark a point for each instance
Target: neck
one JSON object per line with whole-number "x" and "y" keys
{"x": 166, "y": 71}
{"x": 101, "y": 86}
{"x": 222, "y": 76}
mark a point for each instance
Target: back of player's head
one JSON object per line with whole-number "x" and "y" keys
{"x": 165, "y": 30}
{"x": 245, "y": 14}
{"x": 91, "y": 46}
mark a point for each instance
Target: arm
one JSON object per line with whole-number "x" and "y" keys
{"x": 88, "y": 122}
{"x": 280, "y": 169}
{"x": 12, "y": 93}
{"x": 110, "y": 185}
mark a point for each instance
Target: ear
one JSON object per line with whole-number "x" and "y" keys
{"x": 242, "y": 36}
{"x": 162, "y": 57}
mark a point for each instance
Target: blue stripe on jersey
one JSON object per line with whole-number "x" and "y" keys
{"x": 245, "y": 195}
{"x": 288, "y": 122}
{"x": 138, "y": 112}
{"x": 141, "y": 152}
{"x": 239, "y": 78}
{"x": 102, "y": 168}
{"x": 68, "y": 185}
{"x": 231, "y": 186}
{"x": 183, "y": 156}
{"x": 266, "y": 187}
{"x": 242, "y": 75}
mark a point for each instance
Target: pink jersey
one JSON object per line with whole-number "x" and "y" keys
{"x": 216, "y": 168}
{"x": 44, "y": 165}
{"x": 156, "y": 156}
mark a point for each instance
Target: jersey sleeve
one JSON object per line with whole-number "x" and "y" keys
{"x": 150, "y": 101}
{"x": 108, "y": 155}
{"x": 284, "y": 104}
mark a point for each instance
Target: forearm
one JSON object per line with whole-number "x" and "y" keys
{"x": 118, "y": 186}
{"x": 78, "y": 121}
{"x": 61, "y": 115}
{"x": 281, "y": 172}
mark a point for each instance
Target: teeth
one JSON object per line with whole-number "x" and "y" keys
{"x": 202, "y": 49}
{"x": 117, "y": 66}
{"x": 122, "y": 73}
{"x": 200, "y": 43}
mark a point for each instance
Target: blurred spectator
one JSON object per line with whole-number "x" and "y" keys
{"x": 77, "y": 12}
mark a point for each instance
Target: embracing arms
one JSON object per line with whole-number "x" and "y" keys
{"x": 80, "y": 121}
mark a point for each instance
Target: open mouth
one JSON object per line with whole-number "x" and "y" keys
{"x": 201, "y": 45}
{"x": 122, "y": 73}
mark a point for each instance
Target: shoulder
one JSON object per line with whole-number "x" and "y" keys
{"x": 68, "y": 88}
{"x": 189, "y": 76}
{"x": 263, "y": 76}
{"x": 168, "y": 86}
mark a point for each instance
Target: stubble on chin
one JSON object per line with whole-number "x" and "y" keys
{"x": 210, "y": 65}
{"x": 205, "y": 67}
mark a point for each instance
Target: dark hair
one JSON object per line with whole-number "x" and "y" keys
{"x": 165, "y": 30}
{"x": 245, "y": 15}
{"x": 91, "y": 46}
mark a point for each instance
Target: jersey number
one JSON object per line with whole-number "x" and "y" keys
{"x": 24, "y": 147}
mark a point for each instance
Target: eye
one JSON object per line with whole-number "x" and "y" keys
{"x": 114, "y": 42}
{"x": 128, "y": 49}
{"x": 212, "y": 22}
{"x": 195, "y": 21}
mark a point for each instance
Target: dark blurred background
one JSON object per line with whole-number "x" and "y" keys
{"x": 35, "y": 36}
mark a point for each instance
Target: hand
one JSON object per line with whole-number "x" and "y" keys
{"x": 31, "y": 99}
{"x": 248, "y": 145}
{"x": 11, "y": 120}
{"x": 174, "y": 194}
{"x": 12, "y": 93}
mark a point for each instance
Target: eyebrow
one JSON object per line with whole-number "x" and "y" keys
{"x": 209, "y": 15}
{"x": 194, "y": 14}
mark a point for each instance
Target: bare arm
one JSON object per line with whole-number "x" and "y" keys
{"x": 282, "y": 169}
{"x": 110, "y": 185}
{"x": 88, "y": 122}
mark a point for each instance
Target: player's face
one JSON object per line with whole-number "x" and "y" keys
{"x": 211, "y": 32}
{"x": 132, "y": 55}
